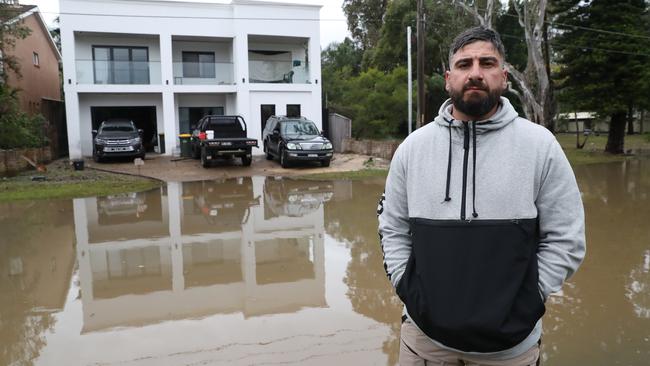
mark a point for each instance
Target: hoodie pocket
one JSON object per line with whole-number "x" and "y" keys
{"x": 473, "y": 285}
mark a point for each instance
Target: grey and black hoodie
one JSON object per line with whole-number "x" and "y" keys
{"x": 479, "y": 223}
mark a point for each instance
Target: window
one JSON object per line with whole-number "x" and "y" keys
{"x": 198, "y": 65}
{"x": 121, "y": 65}
{"x": 293, "y": 110}
{"x": 35, "y": 59}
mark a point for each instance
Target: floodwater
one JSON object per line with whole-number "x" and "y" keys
{"x": 267, "y": 271}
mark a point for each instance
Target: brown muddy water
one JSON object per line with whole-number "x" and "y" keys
{"x": 266, "y": 271}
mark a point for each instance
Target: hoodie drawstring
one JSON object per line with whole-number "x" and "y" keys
{"x": 474, "y": 213}
{"x": 447, "y": 198}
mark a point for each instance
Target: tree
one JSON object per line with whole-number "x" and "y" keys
{"x": 17, "y": 129}
{"x": 365, "y": 18}
{"x": 10, "y": 31}
{"x": 604, "y": 59}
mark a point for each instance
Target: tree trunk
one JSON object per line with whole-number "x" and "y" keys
{"x": 630, "y": 120}
{"x": 616, "y": 136}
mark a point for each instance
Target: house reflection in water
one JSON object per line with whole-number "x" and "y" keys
{"x": 200, "y": 248}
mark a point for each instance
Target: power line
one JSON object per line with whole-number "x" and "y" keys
{"x": 555, "y": 24}
{"x": 561, "y": 45}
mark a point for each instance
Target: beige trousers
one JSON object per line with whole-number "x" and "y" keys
{"x": 416, "y": 349}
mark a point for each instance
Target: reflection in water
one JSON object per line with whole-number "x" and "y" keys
{"x": 268, "y": 270}
{"x": 368, "y": 288}
{"x": 598, "y": 318}
{"x": 36, "y": 262}
{"x": 218, "y": 246}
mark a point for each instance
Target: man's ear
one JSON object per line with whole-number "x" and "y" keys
{"x": 505, "y": 78}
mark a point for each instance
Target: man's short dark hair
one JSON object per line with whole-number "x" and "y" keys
{"x": 476, "y": 34}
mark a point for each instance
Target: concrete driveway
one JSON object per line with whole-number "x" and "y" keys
{"x": 175, "y": 169}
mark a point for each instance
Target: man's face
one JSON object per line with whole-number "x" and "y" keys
{"x": 475, "y": 81}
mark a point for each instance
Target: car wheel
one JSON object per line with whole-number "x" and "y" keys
{"x": 204, "y": 159}
{"x": 268, "y": 153}
{"x": 284, "y": 161}
{"x": 96, "y": 158}
{"x": 325, "y": 163}
{"x": 246, "y": 160}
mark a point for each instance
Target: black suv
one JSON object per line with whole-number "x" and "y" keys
{"x": 117, "y": 138}
{"x": 293, "y": 139}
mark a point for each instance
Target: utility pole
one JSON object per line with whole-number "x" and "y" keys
{"x": 410, "y": 81}
{"x": 420, "y": 65}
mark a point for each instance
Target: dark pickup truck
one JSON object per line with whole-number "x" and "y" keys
{"x": 221, "y": 137}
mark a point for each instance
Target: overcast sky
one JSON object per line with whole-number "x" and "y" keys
{"x": 332, "y": 28}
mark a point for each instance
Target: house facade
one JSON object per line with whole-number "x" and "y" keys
{"x": 38, "y": 59}
{"x": 165, "y": 64}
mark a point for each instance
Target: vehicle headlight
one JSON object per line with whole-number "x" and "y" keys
{"x": 136, "y": 140}
{"x": 327, "y": 146}
{"x": 293, "y": 146}
{"x": 100, "y": 141}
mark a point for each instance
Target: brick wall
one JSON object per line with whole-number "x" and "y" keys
{"x": 11, "y": 160}
{"x": 381, "y": 149}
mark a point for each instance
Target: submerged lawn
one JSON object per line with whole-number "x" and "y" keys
{"x": 62, "y": 181}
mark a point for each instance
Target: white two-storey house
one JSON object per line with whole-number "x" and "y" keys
{"x": 165, "y": 64}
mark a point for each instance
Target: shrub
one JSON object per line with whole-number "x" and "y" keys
{"x": 19, "y": 129}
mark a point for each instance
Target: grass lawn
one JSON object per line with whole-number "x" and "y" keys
{"x": 62, "y": 181}
{"x": 594, "y": 149}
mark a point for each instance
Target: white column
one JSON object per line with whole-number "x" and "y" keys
{"x": 240, "y": 60}
{"x": 73, "y": 124}
{"x": 166, "y": 61}
{"x": 170, "y": 127}
{"x": 169, "y": 121}
{"x": 316, "y": 82}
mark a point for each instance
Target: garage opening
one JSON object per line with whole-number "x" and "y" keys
{"x": 144, "y": 118}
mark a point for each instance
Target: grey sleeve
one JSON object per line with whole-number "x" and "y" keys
{"x": 394, "y": 220}
{"x": 561, "y": 222}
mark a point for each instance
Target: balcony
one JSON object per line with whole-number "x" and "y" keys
{"x": 202, "y": 60}
{"x": 203, "y": 73}
{"x": 278, "y": 72}
{"x": 118, "y": 72}
{"x": 278, "y": 60}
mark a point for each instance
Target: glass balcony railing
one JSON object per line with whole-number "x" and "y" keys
{"x": 280, "y": 72}
{"x": 118, "y": 72}
{"x": 203, "y": 73}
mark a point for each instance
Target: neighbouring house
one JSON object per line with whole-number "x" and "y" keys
{"x": 581, "y": 121}
{"x": 38, "y": 58}
{"x": 165, "y": 64}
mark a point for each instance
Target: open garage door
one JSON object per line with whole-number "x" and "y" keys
{"x": 143, "y": 117}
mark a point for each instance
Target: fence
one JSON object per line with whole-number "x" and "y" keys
{"x": 382, "y": 149}
{"x": 11, "y": 160}
{"x": 339, "y": 129}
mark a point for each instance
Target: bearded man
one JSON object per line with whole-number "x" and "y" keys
{"x": 481, "y": 220}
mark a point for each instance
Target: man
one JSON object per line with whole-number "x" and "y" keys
{"x": 480, "y": 221}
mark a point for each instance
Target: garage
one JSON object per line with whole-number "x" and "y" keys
{"x": 144, "y": 118}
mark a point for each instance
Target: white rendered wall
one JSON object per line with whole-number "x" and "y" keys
{"x": 201, "y": 100}
{"x": 280, "y": 100}
{"x": 164, "y": 20}
{"x": 86, "y": 101}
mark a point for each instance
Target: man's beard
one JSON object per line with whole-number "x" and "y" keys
{"x": 476, "y": 106}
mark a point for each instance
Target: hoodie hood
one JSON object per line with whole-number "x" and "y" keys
{"x": 504, "y": 115}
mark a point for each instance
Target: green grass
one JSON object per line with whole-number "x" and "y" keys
{"x": 352, "y": 175}
{"x": 61, "y": 181}
{"x": 594, "y": 150}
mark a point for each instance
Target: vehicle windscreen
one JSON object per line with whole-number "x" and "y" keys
{"x": 118, "y": 128}
{"x": 299, "y": 128}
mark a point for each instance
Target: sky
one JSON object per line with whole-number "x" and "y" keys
{"x": 333, "y": 26}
